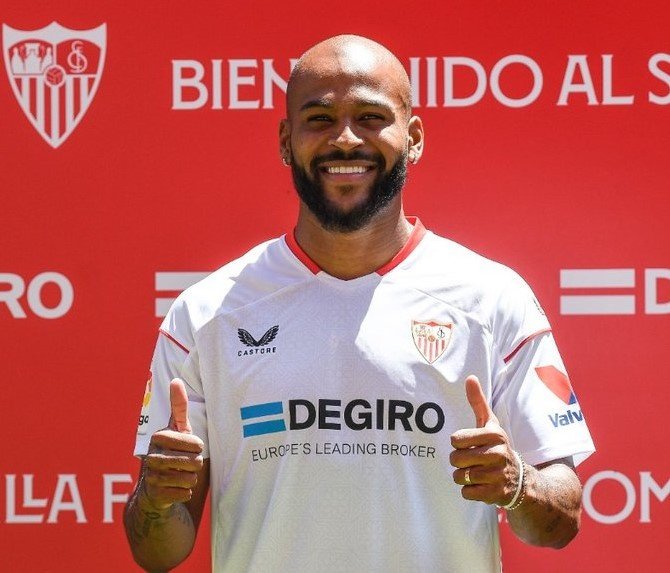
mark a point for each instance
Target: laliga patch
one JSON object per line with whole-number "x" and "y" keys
{"x": 54, "y": 73}
{"x": 557, "y": 382}
{"x": 144, "y": 417}
{"x": 431, "y": 338}
{"x": 147, "y": 394}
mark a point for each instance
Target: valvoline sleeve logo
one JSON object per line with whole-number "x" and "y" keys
{"x": 557, "y": 382}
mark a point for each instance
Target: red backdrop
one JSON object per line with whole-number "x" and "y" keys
{"x": 547, "y": 141}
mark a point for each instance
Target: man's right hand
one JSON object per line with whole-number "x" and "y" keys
{"x": 174, "y": 458}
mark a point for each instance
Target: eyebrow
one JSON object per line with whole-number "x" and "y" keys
{"x": 328, "y": 104}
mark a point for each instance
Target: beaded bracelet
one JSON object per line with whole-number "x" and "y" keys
{"x": 523, "y": 491}
{"x": 520, "y": 492}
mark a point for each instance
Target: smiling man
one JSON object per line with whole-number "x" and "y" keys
{"x": 360, "y": 393}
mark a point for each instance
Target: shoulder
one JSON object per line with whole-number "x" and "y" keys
{"x": 445, "y": 264}
{"x": 489, "y": 292}
{"x": 264, "y": 269}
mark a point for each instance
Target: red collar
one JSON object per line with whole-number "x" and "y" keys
{"x": 414, "y": 239}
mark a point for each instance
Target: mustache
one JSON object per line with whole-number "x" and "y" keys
{"x": 339, "y": 155}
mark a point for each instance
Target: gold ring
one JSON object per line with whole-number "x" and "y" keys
{"x": 467, "y": 477}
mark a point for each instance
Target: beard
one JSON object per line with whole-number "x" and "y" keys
{"x": 384, "y": 188}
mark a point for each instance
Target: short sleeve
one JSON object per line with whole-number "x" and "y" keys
{"x": 532, "y": 393}
{"x": 537, "y": 406}
{"x": 517, "y": 316}
{"x": 171, "y": 359}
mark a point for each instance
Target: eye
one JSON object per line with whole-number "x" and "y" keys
{"x": 318, "y": 117}
{"x": 372, "y": 116}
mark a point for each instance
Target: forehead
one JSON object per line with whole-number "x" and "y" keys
{"x": 351, "y": 75}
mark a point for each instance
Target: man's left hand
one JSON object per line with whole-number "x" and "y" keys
{"x": 486, "y": 465}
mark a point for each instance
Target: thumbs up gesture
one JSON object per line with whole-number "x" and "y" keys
{"x": 485, "y": 464}
{"x": 174, "y": 458}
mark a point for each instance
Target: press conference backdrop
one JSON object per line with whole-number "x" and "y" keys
{"x": 139, "y": 152}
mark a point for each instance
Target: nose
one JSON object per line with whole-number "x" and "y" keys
{"x": 346, "y": 139}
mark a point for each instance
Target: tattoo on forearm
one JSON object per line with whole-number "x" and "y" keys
{"x": 141, "y": 524}
{"x": 144, "y": 524}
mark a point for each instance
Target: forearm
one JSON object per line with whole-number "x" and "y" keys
{"x": 550, "y": 513}
{"x": 159, "y": 539}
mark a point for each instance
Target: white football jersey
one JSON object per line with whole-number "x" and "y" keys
{"x": 327, "y": 405}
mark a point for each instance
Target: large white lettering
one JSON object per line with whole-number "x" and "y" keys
{"x": 237, "y": 80}
{"x": 657, "y": 72}
{"x": 65, "y": 498}
{"x": 109, "y": 498}
{"x": 29, "y": 502}
{"x": 193, "y": 89}
{"x": 608, "y": 96}
{"x": 17, "y": 286}
{"x": 22, "y": 506}
{"x": 431, "y": 81}
{"x": 571, "y": 85}
{"x": 629, "y": 504}
{"x": 66, "y": 487}
{"x": 450, "y": 63}
{"x": 651, "y": 303}
{"x": 180, "y": 83}
{"x": 647, "y": 487}
{"x": 252, "y": 83}
{"x": 537, "y": 80}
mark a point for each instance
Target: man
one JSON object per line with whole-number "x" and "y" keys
{"x": 328, "y": 382}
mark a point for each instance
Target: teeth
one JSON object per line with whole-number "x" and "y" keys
{"x": 357, "y": 169}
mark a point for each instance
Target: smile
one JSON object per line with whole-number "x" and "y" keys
{"x": 347, "y": 169}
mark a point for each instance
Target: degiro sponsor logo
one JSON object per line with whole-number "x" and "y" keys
{"x": 331, "y": 414}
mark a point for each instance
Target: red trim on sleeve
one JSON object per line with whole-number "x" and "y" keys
{"x": 301, "y": 255}
{"x": 414, "y": 239}
{"x": 523, "y": 342}
{"x": 174, "y": 340}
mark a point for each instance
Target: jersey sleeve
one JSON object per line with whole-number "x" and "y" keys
{"x": 175, "y": 356}
{"x": 532, "y": 394}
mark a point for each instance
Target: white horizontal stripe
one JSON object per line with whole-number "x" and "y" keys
{"x": 178, "y": 281}
{"x": 162, "y": 306}
{"x": 611, "y": 304}
{"x": 597, "y": 278}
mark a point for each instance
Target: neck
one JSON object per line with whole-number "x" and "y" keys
{"x": 351, "y": 255}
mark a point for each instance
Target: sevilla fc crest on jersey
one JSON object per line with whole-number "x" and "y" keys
{"x": 54, "y": 73}
{"x": 431, "y": 338}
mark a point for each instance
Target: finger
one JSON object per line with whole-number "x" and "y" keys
{"x": 174, "y": 461}
{"x": 478, "y": 403}
{"x": 162, "y": 497}
{"x": 179, "y": 407}
{"x": 482, "y": 456}
{"x": 170, "y": 479}
{"x": 473, "y": 476}
{"x": 473, "y": 437}
{"x": 178, "y": 441}
{"x": 479, "y": 492}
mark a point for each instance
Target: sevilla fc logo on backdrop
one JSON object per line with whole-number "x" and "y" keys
{"x": 54, "y": 73}
{"x": 431, "y": 338}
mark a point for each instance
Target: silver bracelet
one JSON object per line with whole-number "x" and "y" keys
{"x": 518, "y": 496}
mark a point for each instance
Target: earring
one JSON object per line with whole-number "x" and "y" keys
{"x": 285, "y": 161}
{"x": 413, "y": 158}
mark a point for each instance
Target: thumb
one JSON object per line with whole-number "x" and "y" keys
{"x": 478, "y": 403}
{"x": 179, "y": 407}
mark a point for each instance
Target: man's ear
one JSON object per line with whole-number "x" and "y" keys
{"x": 415, "y": 139}
{"x": 285, "y": 141}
